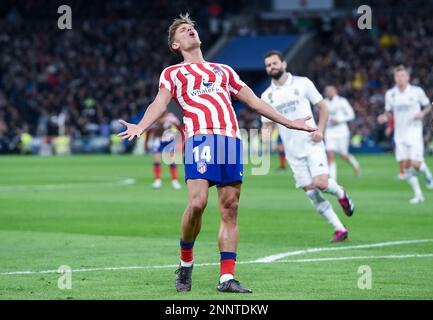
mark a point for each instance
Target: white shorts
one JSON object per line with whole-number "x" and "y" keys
{"x": 306, "y": 168}
{"x": 339, "y": 145}
{"x": 409, "y": 151}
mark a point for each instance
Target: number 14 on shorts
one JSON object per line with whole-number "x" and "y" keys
{"x": 203, "y": 154}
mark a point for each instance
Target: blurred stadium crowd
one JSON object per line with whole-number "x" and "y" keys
{"x": 78, "y": 83}
{"x": 361, "y": 63}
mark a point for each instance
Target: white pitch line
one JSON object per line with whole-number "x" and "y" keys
{"x": 328, "y": 259}
{"x": 279, "y": 256}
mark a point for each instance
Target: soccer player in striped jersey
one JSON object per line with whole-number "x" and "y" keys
{"x": 409, "y": 106}
{"x": 212, "y": 149}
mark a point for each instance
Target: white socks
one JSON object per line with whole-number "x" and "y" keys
{"x": 414, "y": 182}
{"x": 334, "y": 188}
{"x": 324, "y": 207}
{"x": 226, "y": 277}
{"x": 333, "y": 170}
{"x": 353, "y": 162}
{"x": 426, "y": 171}
{"x": 186, "y": 264}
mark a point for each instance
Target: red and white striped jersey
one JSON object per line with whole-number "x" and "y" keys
{"x": 203, "y": 92}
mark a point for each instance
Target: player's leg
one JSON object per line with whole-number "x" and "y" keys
{"x": 190, "y": 228}
{"x": 402, "y": 156}
{"x": 317, "y": 164}
{"x": 412, "y": 178}
{"x": 425, "y": 170}
{"x": 325, "y": 209}
{"x": 303, "y": 178}
{"x": 332, "y": 164}
{"x": 229, "y": 190}
{"x": 281, "y": 154}
{"x": 348, "y": 157}
{"x": 157, "y": 183}
{"x": 331, "y": 147}
{"x": 173, "y": 167}
{"x": 403, "y": 165}
{"x": 415, "y": 154}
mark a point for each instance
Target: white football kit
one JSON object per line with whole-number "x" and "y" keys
{"x": 293, "y": 100}
{"x": 337, "y": 136}
{"x": 408, "y": 135}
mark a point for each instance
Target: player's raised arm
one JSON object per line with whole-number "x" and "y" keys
{"x": 247, "y": 96}
{"x": 155, "y": 110}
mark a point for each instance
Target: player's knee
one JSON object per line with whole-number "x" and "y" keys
{"x": 321, "y": 184}
{"x": 198, "y": 204}
{"x": 229, "y": 207}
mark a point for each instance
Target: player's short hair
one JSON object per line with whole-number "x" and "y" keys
{"x": 399, "y": 68}
{"x": 182, "y": 19}
{"x": 274, "y": 53}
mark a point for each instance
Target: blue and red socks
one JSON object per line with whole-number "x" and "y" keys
{"x": 186, "y": 253}
{"x": 157, "y": 170}
{"x": 227, "y": 266}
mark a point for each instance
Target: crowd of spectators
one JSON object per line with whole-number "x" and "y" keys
{"x": 360, "y": 63}
{"x": 78, "y": 82}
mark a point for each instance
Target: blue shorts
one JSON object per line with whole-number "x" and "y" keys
{"x": 279, "y": 140}
{"x": 159, "y": 146}
{"x": 213, "y": 157}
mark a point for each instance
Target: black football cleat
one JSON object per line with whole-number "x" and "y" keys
{"x": 232, "y": 286}
{"x": 183, "y": 279}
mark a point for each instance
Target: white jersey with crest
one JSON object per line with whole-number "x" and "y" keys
{"x": 405, "y": 105}
{"x": 293, "y": 100}
{"x": 341, "y": 111}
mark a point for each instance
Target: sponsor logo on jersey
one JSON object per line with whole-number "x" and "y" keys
{"x": 296, "y": 92}
{"x": 217, "y": 71}
{"x": 207, "y": 84}
{"x": 270, "y": 97}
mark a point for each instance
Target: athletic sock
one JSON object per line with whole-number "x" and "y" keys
{"x": 414, "y": 182}
{"x": 333, "y": 170}
{"x": 227, "y": 266}
{"x": 334, "y": 188}
{"x": 173, "y": 171}
{"x": 186, "y": 253}
{"x": 324, "y": 207}
{"x": 426, "y": 172}
{"x": 353, "y": 162}
{"x": 282, "y": 158}
{"x": 157, "y": 170}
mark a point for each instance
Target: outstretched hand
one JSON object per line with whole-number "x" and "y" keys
{"x": 300, "y": 124}
{"x": 132, "y": 131}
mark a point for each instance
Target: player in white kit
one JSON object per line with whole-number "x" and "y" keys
{"x": 409, "y": 105}
{"x": 292, "y": 96}
{"x": 337, "y": 134}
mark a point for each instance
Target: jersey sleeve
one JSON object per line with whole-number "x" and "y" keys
{"x": 235, "y": 83}
{"x": 388, "y": 104}
{"x": 348, "y": 112}
{"x": 166, "y": 80}
{"x": 422, "y": 97}
{"x": 312, "y": 94}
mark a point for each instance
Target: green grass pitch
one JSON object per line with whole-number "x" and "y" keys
{"x": 77, "y": 211}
